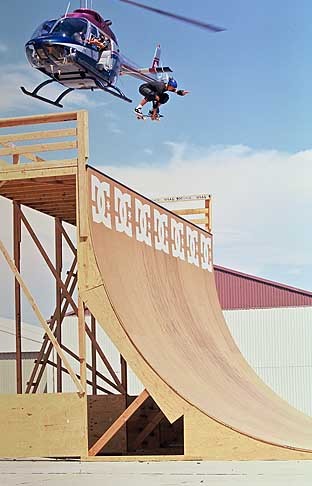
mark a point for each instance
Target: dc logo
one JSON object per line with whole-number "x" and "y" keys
{"x": 143, "y": 221}
{"x": 161, "y": 231}
{"x": 177, "y": 232}
{"x": 192, "y": 246}
{"x": 123, "y": 212}
{"x": 100, "y": 192}
{"x": 206, "y": 253}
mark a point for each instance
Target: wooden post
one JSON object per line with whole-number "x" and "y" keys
{"x": 18, "y": 320}
{"x": 93, "y": 355}
{"x": 58, "y": 311}
{"x": 124, "y": 374}
{"x": 83, "y": 154}
{"x": 208, "y": 207}
{"x": 120, "y": 422}
{"x": 82, "y": 343}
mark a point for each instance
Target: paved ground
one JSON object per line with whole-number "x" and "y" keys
{"x": 65, "y": 473}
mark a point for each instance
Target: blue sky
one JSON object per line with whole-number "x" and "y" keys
{"x": 243, "y": 134}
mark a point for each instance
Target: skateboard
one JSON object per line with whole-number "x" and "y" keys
{"x": 148, "y": 115}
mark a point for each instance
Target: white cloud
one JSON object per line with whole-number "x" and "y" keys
{"x": 260, "y": 199}
{"x": 3, "y": 48}
{"x": 148, "y": 151}
{"x": 261, "y": 211}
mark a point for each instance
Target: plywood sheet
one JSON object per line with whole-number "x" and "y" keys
{"x": 43, "y": 425}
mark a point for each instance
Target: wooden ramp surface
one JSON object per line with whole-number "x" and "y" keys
{"x": 147, "y": 277}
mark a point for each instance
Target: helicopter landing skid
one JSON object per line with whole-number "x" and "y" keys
{"x": 113, "y": 90}
{"x": 34, "y": 93}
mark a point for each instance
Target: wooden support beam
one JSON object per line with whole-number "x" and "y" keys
{"x": 64, "y": 370}
{"x": 40, "y": 317}
{"x": 58, "y": 298}
{"x": 199, "y": 221}
{"x": 42, "y": 147}
{"x": 38, "y": 119}
{"x": 47, "y": 347}
{"x": 184, "y": 212}
{"x": 148, "y": 429}
{"x": 124, "y": 374}
{"x": 89, "y": 367}
{"x": 118, "y": 424}
{"x": 48, "y": 262}
{"x": 18, "y": 319}
{"x": 105, "y": 361}
{"x": 16, "y": 157}
{"x": 82, "y": 196}
{"x": 93, "y": 355}
{"x": 82, "y": 342}
{"x": 56, "y": 168}
{"x": 19, "y": 137}
{"x": 208, "y": 205}
{"x": 4, "y": 164}
{"x": 68, "y": 240}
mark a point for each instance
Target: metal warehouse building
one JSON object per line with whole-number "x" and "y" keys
{"x": 270, "y": 322}
{"x": 272, "y": 325}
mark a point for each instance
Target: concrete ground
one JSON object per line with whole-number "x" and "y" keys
{"x": 66, "y": 473}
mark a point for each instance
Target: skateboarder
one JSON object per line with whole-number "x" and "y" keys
{"x": 156, "y": 92}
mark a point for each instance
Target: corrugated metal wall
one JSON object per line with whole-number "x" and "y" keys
{"x": 8, "y": 374}
{"x": 277, "y": 343}
{"x": 70, "y": 338}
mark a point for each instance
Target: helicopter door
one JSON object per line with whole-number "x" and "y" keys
{"x": 105, "y": 59}
{"x": 94, "y": 33}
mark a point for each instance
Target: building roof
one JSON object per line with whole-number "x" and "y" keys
{"x": 239, "y": 290}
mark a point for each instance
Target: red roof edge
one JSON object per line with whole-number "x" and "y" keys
{"x": 262, "y": 280}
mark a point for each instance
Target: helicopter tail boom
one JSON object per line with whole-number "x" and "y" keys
{"x": 165, "y": 69}
{"x": 155, "y": 67}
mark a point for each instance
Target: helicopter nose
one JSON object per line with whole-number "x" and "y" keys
{"x": 42, "y": 51}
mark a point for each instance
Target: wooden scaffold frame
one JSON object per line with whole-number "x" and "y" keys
{"x": 56, "y": 187}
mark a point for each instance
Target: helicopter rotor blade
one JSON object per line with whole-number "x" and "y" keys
{"x": 198, "y": 23}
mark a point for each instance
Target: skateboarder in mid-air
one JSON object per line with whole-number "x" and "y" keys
{"x": 155, "y": 91}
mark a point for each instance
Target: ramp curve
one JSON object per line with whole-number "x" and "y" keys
{"x": 152, "y": 271}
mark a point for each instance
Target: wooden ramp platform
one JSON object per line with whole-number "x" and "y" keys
{"x": 146, "y": 275}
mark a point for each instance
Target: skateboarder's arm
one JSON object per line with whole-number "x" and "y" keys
{"x": 182, "y": 92}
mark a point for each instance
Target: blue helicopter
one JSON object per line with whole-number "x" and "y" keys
{"x": 80, "y": 51}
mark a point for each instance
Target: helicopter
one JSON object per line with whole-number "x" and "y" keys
{"x": 80, "y": 51}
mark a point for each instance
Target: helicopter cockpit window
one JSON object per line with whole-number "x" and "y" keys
{"x": 44, "y": 29}
{"x": 76, "y": 29}
{"x": 94, "y": 32}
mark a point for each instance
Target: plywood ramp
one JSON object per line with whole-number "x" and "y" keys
{"x": 147, "y": 277}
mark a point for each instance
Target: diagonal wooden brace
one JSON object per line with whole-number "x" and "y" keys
{"x": 120, "y": 422}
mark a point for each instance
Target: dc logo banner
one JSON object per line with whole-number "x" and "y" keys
{"x": 177, "y": 233}
{"x": 123, "y": 212}
{"x": 100, "y": 193}
{"x": 143, "y": 222}
{"x": 161, "y": 231}
{"x": 192, "y": 246}
{"x": 156, "y": 228}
